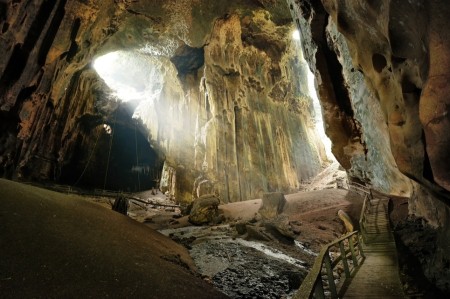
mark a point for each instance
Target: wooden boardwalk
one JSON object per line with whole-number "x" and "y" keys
{"x": 378, "y": 275}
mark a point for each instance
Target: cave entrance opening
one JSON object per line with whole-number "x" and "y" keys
{"x": 312, "y": 92}
{"x": 135, "y": 82}
{"x": 320, "y": 126}
{"x": 121, "y": 159}
{"x": 132, "y": 76}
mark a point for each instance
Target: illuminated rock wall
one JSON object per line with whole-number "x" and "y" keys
{"x": 259, "y": 131}
{"x": 245, "y": 114}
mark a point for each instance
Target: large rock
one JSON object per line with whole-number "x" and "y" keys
{"x": 272, "y": 205}
{"x": 65, "y": 246}
{"x": 204, "y": 210}
{"x": 281, "y": 229}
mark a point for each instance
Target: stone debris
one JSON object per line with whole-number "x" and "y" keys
{"x": 205, "y": 210}
{"x": 272, "y": 205}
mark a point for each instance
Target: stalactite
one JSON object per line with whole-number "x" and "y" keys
{"x": 52, "y": 30}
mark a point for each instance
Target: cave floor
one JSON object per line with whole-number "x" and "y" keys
{"x": 54, "y": 245}
{"x": 244, "y": 266}
{"x": 64, "y": 244}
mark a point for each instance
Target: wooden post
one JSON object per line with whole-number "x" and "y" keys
{"x": 363, "y": 229}
{"x": 344, "y": 260}
{"x": 318, "y": 289}
{"x": 352, "y": 250}
{"x": 331, "y": 283}
{"x": 361, "y": 251}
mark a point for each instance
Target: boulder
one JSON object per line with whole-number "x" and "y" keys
{"x": 204, "y": 210}
{"x": 241, "y": 228}
{"x": 121, "y": 205}
{"x": 280, "y": 229}
{"x": 255, "y": 233}
{"x": 272, "y": 205}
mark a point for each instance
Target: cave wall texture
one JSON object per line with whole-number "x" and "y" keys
{"x": 233, "y": 98}
{"x": 233, "y": 105}
{"x": 382, "y": 66}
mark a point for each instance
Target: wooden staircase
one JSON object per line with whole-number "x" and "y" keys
{"x": 374, "y": 272}
{"x": 375, "y": 226}
{"x": 378, "y": 276}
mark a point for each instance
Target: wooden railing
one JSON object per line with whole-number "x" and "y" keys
{"x": 320, "y": 282}
{"x": 365, "y": 208}
{"x": 358, "y": 188}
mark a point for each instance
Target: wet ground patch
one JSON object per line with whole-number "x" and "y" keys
{"x": 244, "y": 269}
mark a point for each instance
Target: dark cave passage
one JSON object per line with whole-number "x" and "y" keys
{"x": 133, "y": 165}
{"x": 122, "y": 160}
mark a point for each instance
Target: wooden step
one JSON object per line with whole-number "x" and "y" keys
{"x": 376, "y": 232}
{"x": 376, "y": 225}
{"x": 385, "y": 221}
{"x": 378, "y": 249}
{"x": 376, "y": 219}
{"x": 376, "y": 212}
{"x": 377, "y": 216}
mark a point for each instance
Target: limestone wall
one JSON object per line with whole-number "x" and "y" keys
{"x": 234, "y": 95}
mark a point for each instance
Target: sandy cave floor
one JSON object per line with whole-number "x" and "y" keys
{"x": 54, "y": 245}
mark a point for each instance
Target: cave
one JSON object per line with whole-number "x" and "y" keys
{"x": 217, "y": 107}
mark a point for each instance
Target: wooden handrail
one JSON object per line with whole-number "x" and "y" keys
{"x": 313, "y": 284}
{"x": 362, "y": 219}
{"x": 363, "y": 210}
{"x": 361, "y": 186}
{"x": 365, "y": 206}
{"x": 356, "y": 187}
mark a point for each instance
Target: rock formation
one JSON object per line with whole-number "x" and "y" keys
{"x": 272, "y": 205}
{"x": 380, "y": 67}
{"x": 223, "y": 85}
{"x": 227, "y": 89}
{"x": 205, "y": 210}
